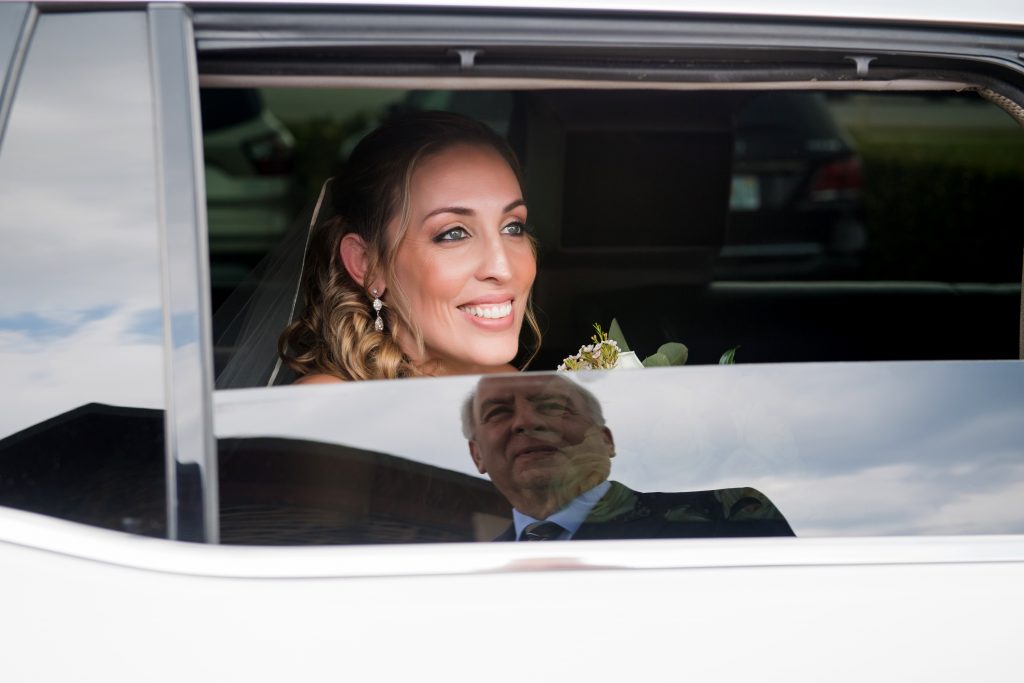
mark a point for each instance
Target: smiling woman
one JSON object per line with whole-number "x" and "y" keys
{"x": 426, "y": 267}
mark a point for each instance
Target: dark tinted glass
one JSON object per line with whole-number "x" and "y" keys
{"x": 81, "y": 427}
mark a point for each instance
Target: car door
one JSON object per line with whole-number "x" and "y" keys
{"x": 900, "y": 476}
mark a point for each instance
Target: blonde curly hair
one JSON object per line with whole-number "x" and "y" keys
{"x": 334, "y": 332}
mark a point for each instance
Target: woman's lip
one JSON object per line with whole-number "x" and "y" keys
{"x": 489, "y": 300}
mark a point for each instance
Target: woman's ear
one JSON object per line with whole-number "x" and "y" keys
{"x": 356, "y": 260}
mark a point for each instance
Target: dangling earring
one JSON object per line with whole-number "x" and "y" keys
{"x": 378, "y": 324}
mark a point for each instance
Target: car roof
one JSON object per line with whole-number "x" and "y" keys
{"x": 1005, "y": 13}
{"x": 981, "y": 13}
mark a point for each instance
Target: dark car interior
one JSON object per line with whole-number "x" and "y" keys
{"x": 636, "y": 198}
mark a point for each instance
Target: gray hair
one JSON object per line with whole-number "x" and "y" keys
{"x": 590, "y": 404}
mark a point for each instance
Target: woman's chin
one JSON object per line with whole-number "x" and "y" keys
{"x": 486, "y": 358}
{"x": 494, "y": 362}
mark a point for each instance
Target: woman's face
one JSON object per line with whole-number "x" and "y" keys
{"x": 465, "y": 263}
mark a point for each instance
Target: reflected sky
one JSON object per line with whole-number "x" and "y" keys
{"x": 854, "y": 448}
{"x": 77, "y": 170}
{"x": 78, "y": 219}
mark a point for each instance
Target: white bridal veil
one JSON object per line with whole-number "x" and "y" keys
{"x": 254, "y": 315}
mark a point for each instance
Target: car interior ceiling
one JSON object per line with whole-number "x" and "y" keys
{"x": 629, "y": 195}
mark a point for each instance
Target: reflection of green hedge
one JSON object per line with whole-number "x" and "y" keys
{"x": 944, "y": 207}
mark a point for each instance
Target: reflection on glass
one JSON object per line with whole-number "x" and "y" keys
{"x": 545, "y": 444}
{"x": 80, "y": 341}
{"x": 78, "y": 193}
{"x": 12, "y": 17}
{"x": 842, "y": 450}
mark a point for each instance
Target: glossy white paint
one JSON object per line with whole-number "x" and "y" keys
{"x": 79, "y": 603}
{"x": 115, "y": 549}
{"x": 98, "y": 605}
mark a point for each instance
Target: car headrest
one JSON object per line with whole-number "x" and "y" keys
{"x": 645, "y": 169}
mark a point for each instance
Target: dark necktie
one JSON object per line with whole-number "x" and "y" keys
{"x": 541, "y": 531}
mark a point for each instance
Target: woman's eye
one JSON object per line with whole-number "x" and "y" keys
{"x": 514, "y": 228}
{"x": 452, "y": 235}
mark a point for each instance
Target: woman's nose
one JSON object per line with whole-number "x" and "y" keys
{"x": 495, "y": 263}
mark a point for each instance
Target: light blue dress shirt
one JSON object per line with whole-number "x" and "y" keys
{"x": 571, "y": 517}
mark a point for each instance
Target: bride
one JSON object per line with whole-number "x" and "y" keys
{"x": 425, "y": 266}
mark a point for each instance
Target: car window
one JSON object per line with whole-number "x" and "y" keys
{"x": 81, "y": 326}
{"x": 820, "y": 226}
{"x": 788, "y": 225}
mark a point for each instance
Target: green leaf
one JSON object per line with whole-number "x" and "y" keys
{"x": 729, "y": 357}
{"x": 656, "y": 361}
{"x": 675, "y": 352}
{"x": 615, "y": 334}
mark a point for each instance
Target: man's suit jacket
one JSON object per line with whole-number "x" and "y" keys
{"x": 625, "y": 513}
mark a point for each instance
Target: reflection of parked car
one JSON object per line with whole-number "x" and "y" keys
{"x": 137, "y": 504}
{"x": 796, "y": 192}
{"x": 795, "y": 204}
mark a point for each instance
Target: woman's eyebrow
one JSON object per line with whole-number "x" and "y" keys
{"x": 463, "y": 211}
{"x": 459, "y": 210}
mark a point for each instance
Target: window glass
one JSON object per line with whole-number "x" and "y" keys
{"x": 822, "y": 449}
{"x": 12, "y": 18}
{"x": 81, "y": 429}
{"x": 820, "y": 227}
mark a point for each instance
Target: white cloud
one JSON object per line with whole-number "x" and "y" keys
{"x": 104, "y": 361}
{"x": 77, "y": 171}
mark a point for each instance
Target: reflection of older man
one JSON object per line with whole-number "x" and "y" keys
{"x": 543, "y": 442}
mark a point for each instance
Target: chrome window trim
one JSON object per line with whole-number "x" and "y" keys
{"x": 464, "y": 49}
{"x": 619, "y": 35}
{"x": 191, "y": 459}
{"x": 496, "y": 83}
{"x": 46, "y": 534}
{"x": 10, "y": 79}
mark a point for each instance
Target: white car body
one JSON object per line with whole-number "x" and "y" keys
{"x": 84, "y": 603}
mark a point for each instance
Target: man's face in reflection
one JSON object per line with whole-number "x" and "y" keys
{"x": 535, "y": 435}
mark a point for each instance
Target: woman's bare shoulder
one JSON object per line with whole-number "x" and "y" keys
{"x": 318, "y": 378}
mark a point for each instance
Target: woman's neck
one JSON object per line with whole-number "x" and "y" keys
{"x": 440, "y": 368}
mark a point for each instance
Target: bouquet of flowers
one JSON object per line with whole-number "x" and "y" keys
{"x": 609, "y": 351}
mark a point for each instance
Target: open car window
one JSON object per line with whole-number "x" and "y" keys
{"x": 832, "y": 227}
{"x": 787, "y": 226}
{"x": 797, "y": 226}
